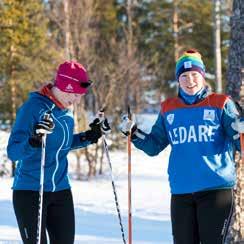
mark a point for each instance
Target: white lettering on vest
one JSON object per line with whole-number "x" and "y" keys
{"x": 211, "y": 132}
{"x": 192, "y": 134}
{"x": 201, "y": 133}
{"x": 182, "y": 134}
{"x": 175, "y": 135}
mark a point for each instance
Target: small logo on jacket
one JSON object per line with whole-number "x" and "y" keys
{"x": 170, "y": 118}
{"x": 209, "y": 114}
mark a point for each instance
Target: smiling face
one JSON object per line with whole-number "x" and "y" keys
{"x": 191, "y": 82}
{"x": 67, "y": 99}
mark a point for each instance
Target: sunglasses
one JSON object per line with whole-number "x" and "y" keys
{"x": 86, "y": 84}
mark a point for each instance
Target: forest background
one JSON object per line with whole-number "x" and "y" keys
{"x": 129, "y": 48}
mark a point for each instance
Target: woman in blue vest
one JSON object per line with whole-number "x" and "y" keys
{"x": 25, "y": 146}
{"x": 202, "y": 129}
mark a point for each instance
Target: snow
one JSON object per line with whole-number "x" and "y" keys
{"x": 95, "y": 211}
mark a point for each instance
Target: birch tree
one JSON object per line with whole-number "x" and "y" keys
{"x": 217, "y": 45}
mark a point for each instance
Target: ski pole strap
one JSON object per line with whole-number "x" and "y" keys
{"x": 239, "y": 108}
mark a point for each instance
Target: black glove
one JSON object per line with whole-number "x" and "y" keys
{"x": 35, "y": 141}
{"x": 98, "y": 127}
{"x": 45, "y": 126}
{"x": 105, "y": 127}
{"x": 95, "y": 132}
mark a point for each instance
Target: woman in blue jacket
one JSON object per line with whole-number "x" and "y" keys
{"x": 202, "y": 130}
{"x": 25, "y": 145}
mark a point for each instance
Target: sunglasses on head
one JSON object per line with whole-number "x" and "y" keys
{"x": 86, "y": 84}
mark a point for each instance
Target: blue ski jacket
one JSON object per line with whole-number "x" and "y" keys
{"x": 58, "y": 144}
{"x": 202, "y": 142}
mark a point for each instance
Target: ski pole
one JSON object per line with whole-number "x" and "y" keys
{"x": 114, "y": 189}
{"x": 129, "y": 183}
{"x": 39, "y": 221}
{"x": 105, "y": 145}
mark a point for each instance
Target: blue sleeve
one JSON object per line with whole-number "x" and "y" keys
{"x": 230, "y": 114}
{"x": 77, "y": 143}
{"x": 18, "y": 144}
{"x": 154, "y": 142}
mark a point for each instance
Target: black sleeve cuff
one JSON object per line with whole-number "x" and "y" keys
{"x": 89, "y": 135}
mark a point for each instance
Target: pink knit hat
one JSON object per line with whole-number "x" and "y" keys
{"x": 72, "y": 77}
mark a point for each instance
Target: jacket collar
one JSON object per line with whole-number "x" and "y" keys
{"x": 46, "y": 91}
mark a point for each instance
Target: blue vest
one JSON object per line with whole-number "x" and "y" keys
{"x": 202, "y": 156}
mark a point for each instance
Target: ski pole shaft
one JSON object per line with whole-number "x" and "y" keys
{"x": 129, "y": 183}
{"x": 114, "y": 188}
{"x": 129, "y": 192}
{"x": 39, "y": 223}
{"x": 40, "y": 207}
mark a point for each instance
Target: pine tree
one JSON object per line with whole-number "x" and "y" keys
{"x": 169, "y": 27}
{"x": 25, "y": 58}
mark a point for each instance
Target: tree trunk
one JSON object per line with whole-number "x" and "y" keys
{"x": 13, "y": 101}
{"x": 217, "y": 46}
{"x": 235, "y": 88}
{"x": 176, "y": 29}
{"x": 129, "y": 37}
{"x": 68, "y": 45}
{"x": 13, "y": 96}
{"x": 236, "y": 51}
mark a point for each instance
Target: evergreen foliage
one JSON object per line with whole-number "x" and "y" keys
{"x": 32, "y": 43}
{"x": 25, "y": 58}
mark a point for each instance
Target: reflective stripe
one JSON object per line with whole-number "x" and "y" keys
{"x": 67, "y": 141}
{"x": 69, "y": 77}
{"x": 227, "y": 221}
{"x": 56, "y": 157}
{"x": 26, "y": 233}
{"x": 17, "y": 173}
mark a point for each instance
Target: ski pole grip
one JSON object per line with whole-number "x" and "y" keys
{"x": 102, "y": 110}
{"x": 100, "y": 114}
{"x": 129, "y": 113}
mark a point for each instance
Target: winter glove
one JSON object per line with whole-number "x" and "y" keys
{"x": 98, "y": 127}
{"x": 127, "y": 125}
{"x": 238, "y": 125}
{"x": 105, "y": 127}
{"x": 45, "y": 126}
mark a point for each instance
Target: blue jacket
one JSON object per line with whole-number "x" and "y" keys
{"x": 58, "y": 144}
{"x": 202, "y": 142}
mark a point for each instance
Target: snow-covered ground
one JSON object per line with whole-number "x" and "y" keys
{"x": 95, "y": 211}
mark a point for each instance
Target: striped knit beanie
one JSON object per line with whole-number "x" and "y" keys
{"x": 190, "y": 61}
